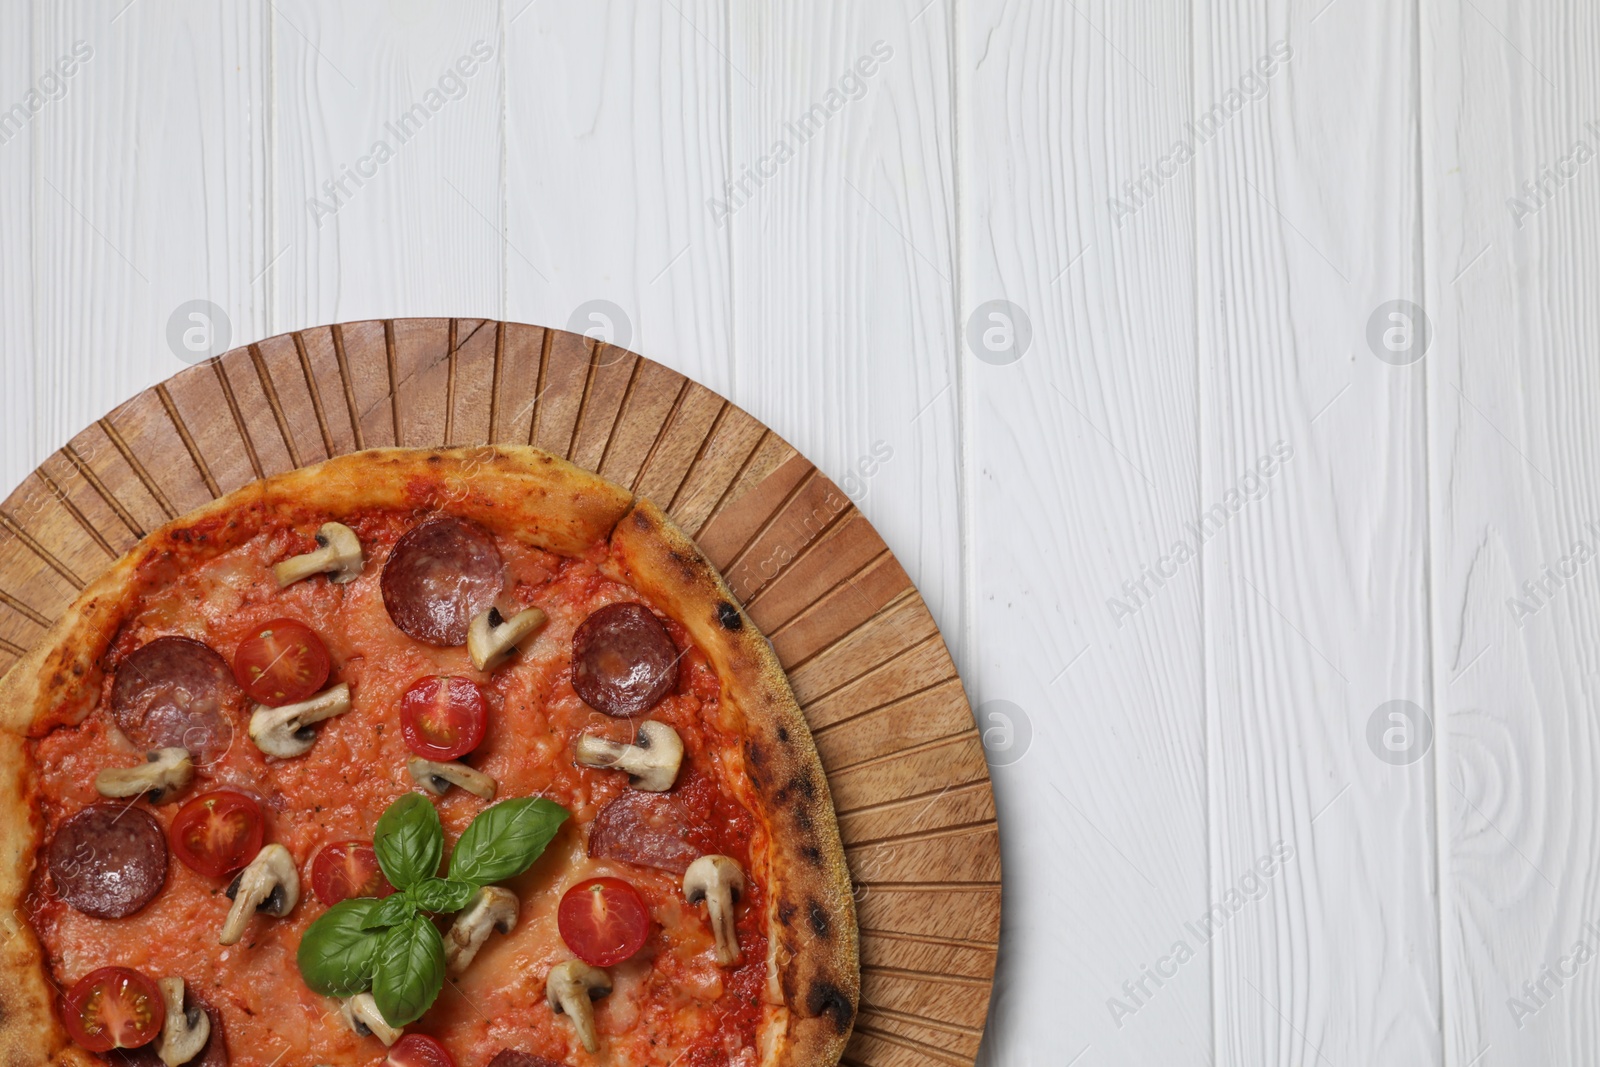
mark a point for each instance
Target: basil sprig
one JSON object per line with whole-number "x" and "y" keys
{"x": 391, "y": 946}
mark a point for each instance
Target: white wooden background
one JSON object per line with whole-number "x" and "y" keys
{"x": 1144, "y": 759}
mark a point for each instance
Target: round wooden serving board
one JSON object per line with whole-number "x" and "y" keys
{"x": 867, "y": 662}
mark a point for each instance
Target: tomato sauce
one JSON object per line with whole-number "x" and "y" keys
{"x": 670, "y": 1000}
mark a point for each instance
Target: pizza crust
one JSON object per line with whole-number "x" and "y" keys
{"x": 30, "y": 1033}
{"x": 545, "y": 502}
{"x": 811, "y": 918}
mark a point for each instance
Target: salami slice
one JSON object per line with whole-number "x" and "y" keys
{"x": 440, "y": 575}
{"x": 623, "y": 660}
{"x": 109, "y": 860}
{"x": 650, "y": 829}
{"x": 510, "y": 1057}
{"x": 214, "y": 1054}
{"x": 177, "y": 693}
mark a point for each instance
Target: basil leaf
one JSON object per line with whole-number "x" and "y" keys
{"x": 392, "y": 910}
{"x": 409, "y": 841}
{"x": 505, "y": 839}
{"x": 410, "y": 971}
{"x": 337, "y": 956}
{"x": 440, "y": 895}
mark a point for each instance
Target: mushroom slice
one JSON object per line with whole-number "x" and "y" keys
{"x": 338, "y": 555}
{"x": 184, "y": 1033}
{"x": 163, "y": 775}
{"x": 270, "y": 884}
{"x": 494, "y": 908}
{"x": 652, "y": 760}
{"x": 569, "y": 989}
{"x": 492, "y": 637}
{"x": 437, "y": 778}
{"x": 718, "y": 881}
{"x": 286, "y": 732}
{"x": 360, "y": 1013}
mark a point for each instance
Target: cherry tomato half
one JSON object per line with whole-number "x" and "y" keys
{"x": 603, "y": 921}
{"x": 419, "y": 1050}
{"x": 114, "y": 1007}
{"x": 443, "y": 718}
{"x": 281, "y": 662}
{"x": 217, "y": 833}
{"x": 347, "y": 869}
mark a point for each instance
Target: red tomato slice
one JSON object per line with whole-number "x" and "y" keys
{"x": 217, "y": 833}
{"x": 114, "y": 1007}
{"x": 603, "y": 921}
{"x": 348, "y": 869}
{"x": 419, "y": 1050}
{"x": 443, "y": 718}
{"x": 282, "y": 662}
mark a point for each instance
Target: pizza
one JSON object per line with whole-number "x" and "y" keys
{"x": 440, "y": 758}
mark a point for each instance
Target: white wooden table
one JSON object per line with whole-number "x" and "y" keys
{"x": 1188, "y": 543}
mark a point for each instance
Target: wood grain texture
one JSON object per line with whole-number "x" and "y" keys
{"x": 881, "y": 693}
{"x": 1302, "y": 652}
{"x": 372, "y": 113}
{"x": 1103, "y": 728}
{"x": 622, "y": 110}
{"x": 1512, "y": 387}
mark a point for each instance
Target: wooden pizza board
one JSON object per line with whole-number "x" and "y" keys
{"x": 866, "y": 660}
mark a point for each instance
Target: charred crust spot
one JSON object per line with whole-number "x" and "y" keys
{"x": 729, "y": 616}
{"x": 757, "y": 779}
{"x": 812, "y": 854}
{"x": 786, "y": 913}
{"x": 783, "y": 734}
{"x": 688, "y": 568}
{"x": 827, "y": 999}
{"x": 640, "y": 520}
{"x": 818, "y": 917}
{"x": 757, "y": 755}
{"x": 801, "y": 783}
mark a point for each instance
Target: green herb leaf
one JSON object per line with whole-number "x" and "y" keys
{"x": 409, "y": 841}
{"x": 441, "y": 895}
{"x": 504, "y": 840}
{"x": 392, "y": 910}
{"x": 410, "y": 971}
{"x": 337, "y": 956}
